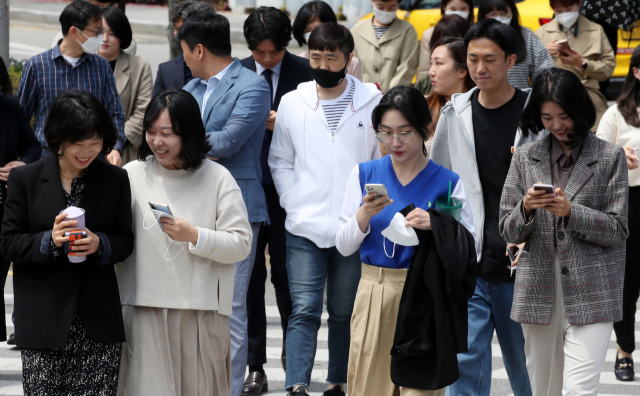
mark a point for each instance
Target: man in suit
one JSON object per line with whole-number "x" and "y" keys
{"x": 268, "y": 32}
{"x": 235, "y": 106}
{"x": 175, "y": 73}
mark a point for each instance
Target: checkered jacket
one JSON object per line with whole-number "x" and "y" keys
{"x": 592, "y": 253}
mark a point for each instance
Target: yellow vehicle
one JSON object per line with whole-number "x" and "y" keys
{"x": 423, "y": 14}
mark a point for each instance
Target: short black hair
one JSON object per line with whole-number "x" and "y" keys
{"x": 76, "y": 116}
{"x": 307, "y": 13}
{"x": 564, "y": 88}
{"x": 79, "y": 14}
{"x": 330, "y": 36}
{"x": 503, "y": 35}
{"x": 408, "y": 101}
{"x": 267, "y": 23}
{"x": 209, "y": 29}
{"x": 119, "y": 24}
{"x": 487, "y": 6}
{"x": 188, "y": 8}
{"x": 186, "y": 121}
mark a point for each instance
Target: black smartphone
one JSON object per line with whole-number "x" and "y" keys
{"x": 513, "y": 252}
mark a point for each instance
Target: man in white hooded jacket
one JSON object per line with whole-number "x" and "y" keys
{"x": 321, "y": 132}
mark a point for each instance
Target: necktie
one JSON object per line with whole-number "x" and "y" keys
{"x": 266, "y": 143}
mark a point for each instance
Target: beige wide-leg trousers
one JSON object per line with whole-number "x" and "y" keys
{"x": 373, "y": 327}
{"x": 565, "y": 359}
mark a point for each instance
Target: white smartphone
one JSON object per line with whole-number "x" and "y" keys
{"x": 566, "y": 48}
{"x": 379, "y": 189}
{"x": 548, "y": 188}
{"x": 161, "y": 208}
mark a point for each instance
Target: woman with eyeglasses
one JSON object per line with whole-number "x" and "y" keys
{"x": 402, "y": 123}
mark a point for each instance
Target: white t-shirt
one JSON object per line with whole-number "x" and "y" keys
{"x": 71, "y": 60}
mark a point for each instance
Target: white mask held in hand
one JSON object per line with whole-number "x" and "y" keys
{"x": 92, "y": 45}
{"x": 568, "y": 19}
{"x": 384, "y": 17}
{"x": 463, "y": 14}
{"x": 399, "y": 234}
{"x": 158, "y": 214}
{"x": 503, "y": 19}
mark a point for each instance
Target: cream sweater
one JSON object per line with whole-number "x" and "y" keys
{"x": 200, "y": 277}
{"x": 614, "y": 129}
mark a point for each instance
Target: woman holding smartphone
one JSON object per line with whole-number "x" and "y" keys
{"x": 566, "y": 297}
{"x": 401, "y": 120}
{"x": 68, "y": 318}
{"x": 620, "y": 125}
{"x": 177, "y": 286}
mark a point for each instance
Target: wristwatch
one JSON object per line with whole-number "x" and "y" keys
{"x": 584, "y": 64}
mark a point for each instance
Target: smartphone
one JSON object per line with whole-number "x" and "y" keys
{"x": 512, "y": 253}
{"x": 565, "y": 47}
{"x": 161, "y": 208}
{"x": 379, "y": 189}
{"x": 73, "y": 236}
{"x": 548, "y": 188}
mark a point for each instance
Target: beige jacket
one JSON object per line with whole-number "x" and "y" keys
{"x": 593, "y": 45}
{"x": 134, "y": 83}
{"x": 392, "y": 61}
{"x": 425, "y": 52}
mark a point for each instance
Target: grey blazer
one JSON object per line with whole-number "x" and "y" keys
{"x": 592, "y": 253}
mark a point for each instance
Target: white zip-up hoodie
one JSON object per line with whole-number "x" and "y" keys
{"x": 310, "y": 168}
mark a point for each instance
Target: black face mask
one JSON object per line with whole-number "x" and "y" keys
{"x": 328, "y": 79}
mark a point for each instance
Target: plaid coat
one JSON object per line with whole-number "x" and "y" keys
{"x": 592, "y": 253}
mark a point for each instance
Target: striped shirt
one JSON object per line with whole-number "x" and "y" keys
{"x": 48, "y": 74}
{"x": 334, "y": 109}
{"x": 536, "y": 60}
{"x": 380, "y": 31}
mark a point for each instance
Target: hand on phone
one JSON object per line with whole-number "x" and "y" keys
{"x": 85, "y": 246}
{"x": 536, "y": 199}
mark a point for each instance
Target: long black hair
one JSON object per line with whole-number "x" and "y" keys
{"x": 564, "y": 88}
{"x": 186, "y": 122}
{"x": 629, "y": 99}
{"x": 487, "y": 6}
{"x": 411, "y": 103}
{"x": 6, "y": 88}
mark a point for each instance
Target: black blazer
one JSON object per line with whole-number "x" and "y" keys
{"x": 431, "y": 328}
{"x": 47, "y": 292}
{"x": 294, "y": 71}
{"x": 170, "y": 75}
{"x": 17, "y": 140}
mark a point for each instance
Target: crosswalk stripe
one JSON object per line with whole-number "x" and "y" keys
{"x": 11, "y": 388}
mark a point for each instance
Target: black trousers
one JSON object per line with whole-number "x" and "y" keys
{"x": 625, "y": 328}
{"x": 4, "y": 267}
{"x": 274, "y": 235}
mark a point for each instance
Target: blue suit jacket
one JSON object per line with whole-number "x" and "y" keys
{"x": 235, "y": 120}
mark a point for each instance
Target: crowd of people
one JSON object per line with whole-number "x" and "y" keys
{"x": 139, "y": 216}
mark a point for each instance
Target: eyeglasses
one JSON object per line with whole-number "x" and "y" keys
{"x": 97, "y": 33}
{"x": 386, "y": 137}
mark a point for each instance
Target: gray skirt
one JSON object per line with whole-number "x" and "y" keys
{"x": 175, "y": 352}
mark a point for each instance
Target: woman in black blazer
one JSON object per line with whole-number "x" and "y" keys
{"x": 18, "y": 147}
{"x": 68, "y": 318}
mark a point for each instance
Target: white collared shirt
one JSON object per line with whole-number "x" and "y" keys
{"x": 211, "y": 85}
{"x": 275, "y": 77}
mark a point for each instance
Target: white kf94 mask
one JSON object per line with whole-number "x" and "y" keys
{"x": 399, "y": 234}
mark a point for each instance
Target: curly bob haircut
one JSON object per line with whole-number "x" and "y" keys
{"x": 411, "y": 103}
{"x": 76, "y": 116}
{"x": 186, "y": 122}
{"x": 564, "y": 88}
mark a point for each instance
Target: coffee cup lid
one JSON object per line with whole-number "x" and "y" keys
{"x": 73, "y": 212}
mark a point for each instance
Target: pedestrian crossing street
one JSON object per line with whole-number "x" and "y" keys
{"x": 11, "y": 365}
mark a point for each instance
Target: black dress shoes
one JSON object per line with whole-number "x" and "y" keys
{"x": 255, "y": 384}
{"x": 624, "y": 369}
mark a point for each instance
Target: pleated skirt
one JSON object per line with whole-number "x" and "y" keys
{"x": 175, "y": 352}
